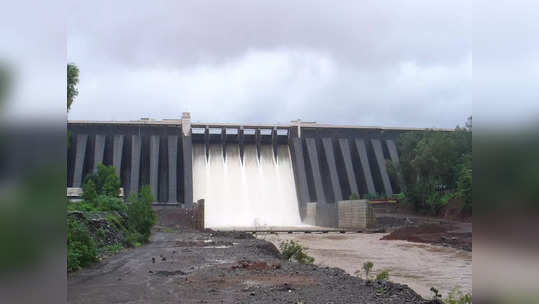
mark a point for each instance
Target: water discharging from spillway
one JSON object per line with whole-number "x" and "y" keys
{"x": 258, "y": 193}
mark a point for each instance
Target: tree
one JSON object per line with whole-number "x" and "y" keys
{"x": 72, "y": 81}
{"x": 435, "y": 166}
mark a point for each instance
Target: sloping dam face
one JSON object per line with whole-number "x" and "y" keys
{"x": 256, "y": 191}
{"x": 248, "y": 175}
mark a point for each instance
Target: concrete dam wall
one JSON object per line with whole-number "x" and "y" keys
{"x": 249, "y": 175}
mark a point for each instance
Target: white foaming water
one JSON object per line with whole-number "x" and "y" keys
{"x": 257, "y": 193}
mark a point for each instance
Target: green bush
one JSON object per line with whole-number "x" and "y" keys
{"x": 455, "y": 296}
{"x": 133, "y": 239}
{"x": 89, "y": 192}
{"x": 105, "y": 181}
{"x": 437, "y": 200}
{"x": 435, "y": 293}
{"x": 81, "y": 249}
{"x": 140, "y": 214}
{"x": 113, "y": 249}
{"x": 294, "y": 251}
{"x": 110, "y": 203}
{"x": 383, "y": 276}
{"x": 367, "y": 267}
{"x": 101, "y": 193}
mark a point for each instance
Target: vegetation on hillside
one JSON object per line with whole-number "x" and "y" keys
{"x": 132, "y": 221}
{"x": 435, "y": 166}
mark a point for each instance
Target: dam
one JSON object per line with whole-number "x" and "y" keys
{"x": 249, "y": 175}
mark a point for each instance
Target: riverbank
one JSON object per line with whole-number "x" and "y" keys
{"x": 419, "y": 265}
{"x": 205, "y": 267}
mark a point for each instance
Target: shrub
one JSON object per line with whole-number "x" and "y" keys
{"x": 383, "y": 276}
{"x": 81, "y": 249}
{"x": 437, "y": 200}
{"x": 141, "y": 216}
{"x": 435, "y": 293}
{"x": 110, "y": 203}
{"x": 367, "y": 267}
{"x": 455, "y": 296}
{"x": 113, "y": 249}
{"x": 133, "y": 239}
{"x": 294, "y": 251}
{"x": 89, "y": 192}
{"x": 111, "y": 185}
{"x": 105, "y": 181}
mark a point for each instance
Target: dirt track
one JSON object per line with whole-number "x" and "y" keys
{"x": 195, "y": 267}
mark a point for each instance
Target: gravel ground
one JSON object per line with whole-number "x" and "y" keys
{"x": 205, "y": 267}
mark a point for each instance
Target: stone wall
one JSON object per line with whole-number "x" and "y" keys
{"x": 355, "y": 214}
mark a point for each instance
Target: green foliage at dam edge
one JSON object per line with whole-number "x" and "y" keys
{"x": 293, "y": 251}
{"x": 133, "y": 221}
{"x": 435, "y": 166}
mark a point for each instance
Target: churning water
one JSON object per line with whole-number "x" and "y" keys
{"x": 259, "y": 192}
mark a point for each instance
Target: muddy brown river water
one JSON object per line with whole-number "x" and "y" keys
{"x": 420, "y": 266}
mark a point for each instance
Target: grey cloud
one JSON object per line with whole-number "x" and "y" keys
{"x": 186, "y": 32}
{"x": 404, "y": 63}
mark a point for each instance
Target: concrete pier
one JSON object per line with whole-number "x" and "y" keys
{"x": 300, "y": 173}
{"x": 172, "y": 168}
{"x": 99, "y": 150}
{"x": 380, "y": 160}
{"x": 348, "y": 166}
{"x": 136, "y": 146}
{"x": 117, "y": 153}
{"x": 82, "y": 140}
{"x": 327, "y": 143}
{"x": 315, "y": 167}
{"x": 360, "y": 145}
{"x": 154, "y": 165}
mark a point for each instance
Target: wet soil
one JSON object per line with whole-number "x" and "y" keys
{"x": 180, "y": 266}
{"x": 447, "y": 234}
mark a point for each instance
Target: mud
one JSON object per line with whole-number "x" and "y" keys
{"x": 443, "y": 234}
{"x": 176, "y": 268}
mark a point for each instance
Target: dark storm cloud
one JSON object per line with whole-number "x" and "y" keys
{"x": 370, "y": 62}
{"x": 188, "y": 32}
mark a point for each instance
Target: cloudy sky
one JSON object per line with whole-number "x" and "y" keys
{"x": 391, "y": 63}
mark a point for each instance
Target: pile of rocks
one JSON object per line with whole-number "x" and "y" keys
{"x": 102, "y": 231}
